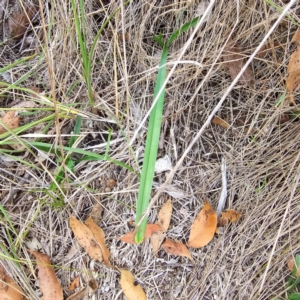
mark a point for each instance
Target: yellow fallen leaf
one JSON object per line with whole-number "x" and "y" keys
{"x": 9, "y": 290}
{"x": 229, "y": 215}
{"x": 49, "y": 285}
{"x": 10, "y": 120}
{"x": 176, "y": 248}
{"x": 86, "y": 239}
{"x": 203, "y": 228}
{"x": 99, "y": 235}
{"x": 131, "y": 291}
{"x": 293, "y": 79}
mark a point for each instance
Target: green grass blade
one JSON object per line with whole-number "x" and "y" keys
{"x": 151, "y": 149}
{"x": 154, "y": 134}
{"x": 93, "y": 156}
{"x": 295, "y": 296}
{"x": 17, "y": 62}
{"x": 183, "y": 29}
{"x": 76, "y": 131}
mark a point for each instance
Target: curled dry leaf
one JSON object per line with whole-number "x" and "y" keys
{"x": 221, "y": 122}
{"x": 203, "y": 228}
{"x": 49, "y": 285}
{"x": 229, "y": 215}
{"x": 91, "y": 238}
{"x": 75, "y": 283}
{"x": 294, "y": 69}
{"x": 235, "y": 61}
{"x": 131, "y": 291}
{"x": 9, "y": 290}
{"x": 10, "y": 120}
{"x": 291, "y": 265}
{"x": 176, "y": 248}
{"x": 164, "y": 219}
{"x": 150, "y": 230}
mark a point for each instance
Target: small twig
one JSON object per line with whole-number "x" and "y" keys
{"x": 223, "y": 195}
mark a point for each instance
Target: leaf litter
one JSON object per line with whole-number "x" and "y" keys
{"x": 75, "y": 283}
{"x": 49, "y": 285}
{"x": 204, "y": 227}
{"x": 91, "y": 238}
{"x": 150, "y": 230}
{"x": 293, "y": 79}
{"x": 177, "y": 248}
{"x": 11, "y": 120}
{"x": 164, "y": 219}
{"x": 131, "y": 291}
{"x": 235, "y": 61}
{"x": 228, "y": 216}
{"x": 9, "y": 290}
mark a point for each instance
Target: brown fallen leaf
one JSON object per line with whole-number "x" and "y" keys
{"x": 164, "y": 215}
{"x": 164, "y": 219}
{"x": 75, "y": 283}
{"x": 176, "y": 248}
{"x": 131, "y": 291}
{"x": 49, "y": 285}
{"x": 10, "y": 120}
{"x": 100, "y": 238}
{"x": 229, "y": 215}
{"x": 235, "y": 61}
{"x": 91, "y": 238}
{"x": 156, "y": 240}
{"x": 150, "y": 230}
{"x": 291, "y": 265}
{"x": 221, "y": 122}
{"x": 203, "y": 228}
{"x": 93, "y": 284}
{"x": 111, "y": 183}
{"x": 9, "y": 290}
{"x": 293, "y": 79}
{"x": 19, "y": 21}
{"x": 86, "y": 239}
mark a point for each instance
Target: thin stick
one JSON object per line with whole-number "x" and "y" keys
{"x": 223, "y": 195}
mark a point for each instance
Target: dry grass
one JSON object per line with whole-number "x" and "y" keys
{"x": 249, "y": 260}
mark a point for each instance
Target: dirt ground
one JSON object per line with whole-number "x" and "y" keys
{"x": 261, "y": 144}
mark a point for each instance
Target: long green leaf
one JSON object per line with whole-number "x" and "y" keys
{"x": 53, "y": 148}
{"x": 151, "y": 149}
{"x": 154, "y": 134}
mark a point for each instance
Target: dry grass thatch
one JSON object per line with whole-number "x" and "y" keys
{"x": 262, "y": 152}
